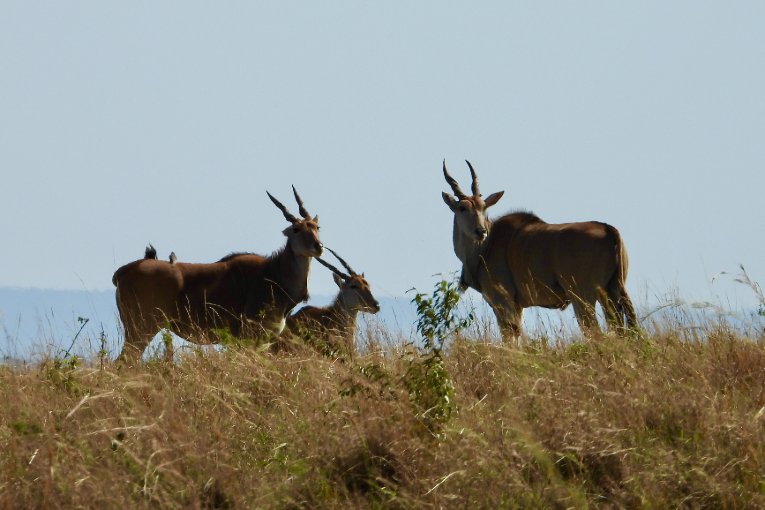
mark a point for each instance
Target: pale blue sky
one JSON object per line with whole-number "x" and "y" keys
{"x": 123, "y": 123}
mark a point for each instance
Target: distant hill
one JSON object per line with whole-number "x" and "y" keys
{"x": 47, "y": 321}
{"x": 43, "y": 321}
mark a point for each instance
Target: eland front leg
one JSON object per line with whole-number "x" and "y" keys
{"x": 509, "y": 314}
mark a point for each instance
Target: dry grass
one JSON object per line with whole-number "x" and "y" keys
{"x": 615, "y": 423}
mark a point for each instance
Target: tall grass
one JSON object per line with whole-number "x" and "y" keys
{"x": 668, "y": 421}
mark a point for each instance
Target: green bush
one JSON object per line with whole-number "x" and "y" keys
{"x": 427, "y": 380}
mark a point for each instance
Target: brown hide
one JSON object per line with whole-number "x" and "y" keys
{"x": 520, "y": 261}
{"x": 526, "y": 262}
{"x": 245, "y": 293}
{"x": 333, "y": 328}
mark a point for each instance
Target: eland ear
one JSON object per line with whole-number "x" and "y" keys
{"x": 493, "y": 198}
{"x": 338, "y": 279}
{"x": 450, "y": 201}
{"x": 316, "y": 219}
{"x": 287, "y": 231}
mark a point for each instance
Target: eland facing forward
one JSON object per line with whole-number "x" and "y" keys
{"x": 242, "y": 293}
{"x": 335, "y": 325}
{"x": 518, "y": 261}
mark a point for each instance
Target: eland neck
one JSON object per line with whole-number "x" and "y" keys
{"x": 343, "y": 316}
{"x": 342, "y": 324}
{"x": 468, "y": 250}
{"x": 295, "y": 270}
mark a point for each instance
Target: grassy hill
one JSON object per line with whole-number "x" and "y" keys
{"x": 676, "y": 419}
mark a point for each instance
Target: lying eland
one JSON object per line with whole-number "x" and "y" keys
{"x": 518, "y": 261}
{"x": 335, "y": 324}
{"x": 242, "y": 292}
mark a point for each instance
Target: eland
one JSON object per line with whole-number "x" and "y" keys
{"x": 242, "y": 293}
{"x": 335, "y": 325}
{"x": 517, "y": 261}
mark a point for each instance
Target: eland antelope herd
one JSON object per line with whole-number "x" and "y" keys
{"x": 515, "y": 261}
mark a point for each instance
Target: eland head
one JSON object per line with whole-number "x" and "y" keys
{"x": 469, "y": 211}
{"x": 355, "y": 292}
{"x": 303, "y": 233}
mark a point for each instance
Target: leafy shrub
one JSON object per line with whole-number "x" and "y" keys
{"x": 437, "y": 315}
{"x": 429, "y": 383}
{"x": 61, "y": 372}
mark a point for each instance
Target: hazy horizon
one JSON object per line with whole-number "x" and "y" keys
{"x": 37, "y": 322}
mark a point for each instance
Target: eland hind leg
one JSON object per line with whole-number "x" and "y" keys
{"x": 584, "y": 309}
{"x": 620, "y": 312}
{"x": 135, "y": 344}
{"x": 614, "y": 315}
{"x": 629, "y": 312}
{"x": 139, "y": 330}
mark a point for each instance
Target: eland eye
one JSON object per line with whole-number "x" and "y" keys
{"x": 295, "y": 230}
{"x": 462, "y": 208}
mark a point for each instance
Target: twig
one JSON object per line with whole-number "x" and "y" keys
{"x": 436, "y": 486}
{"x": 84, "y": 321}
